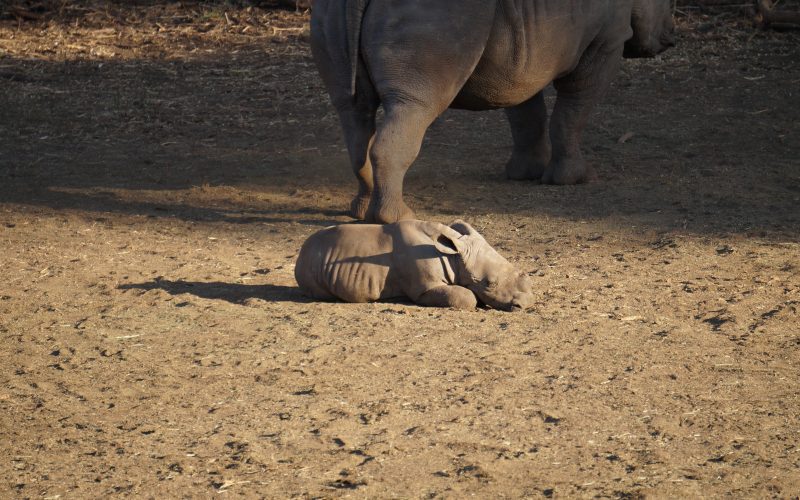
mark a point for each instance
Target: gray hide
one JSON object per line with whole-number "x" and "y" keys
{"x": 430, "y": 263}
{"x": 416, "y": 58}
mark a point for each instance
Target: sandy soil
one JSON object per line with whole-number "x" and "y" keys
{"x": 161, "y": 166}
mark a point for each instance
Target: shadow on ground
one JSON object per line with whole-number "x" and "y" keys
{"x": 710, "y": 144}
{"x": 234, "y": 293}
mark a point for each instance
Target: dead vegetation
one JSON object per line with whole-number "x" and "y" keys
{"x": 764, "y": 13}
{"x": 59, "y": 29}
{"x": 109, "y": 30}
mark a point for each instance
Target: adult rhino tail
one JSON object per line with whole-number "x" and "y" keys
{"x": 355, "y": 14}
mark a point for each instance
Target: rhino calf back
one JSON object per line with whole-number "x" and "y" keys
{"x": 347, "y": 262}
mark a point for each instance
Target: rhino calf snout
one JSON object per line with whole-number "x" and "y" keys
{"x": 521, "y": 301}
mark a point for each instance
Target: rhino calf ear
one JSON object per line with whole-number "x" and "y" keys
{"x": 445, "y": 245}
{"x": 462, "y": 227}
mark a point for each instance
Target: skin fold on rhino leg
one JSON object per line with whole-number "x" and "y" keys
{"x": 531, "y": 152}
{"x": 356, "y": 112}
{"x": 395, "y": 147}
{"x": 578, "y": 93}
{"x": 453, "y": 296}
{"x": 358, "y": 123}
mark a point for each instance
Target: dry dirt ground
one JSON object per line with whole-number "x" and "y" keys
{"x": 161, "y": 166}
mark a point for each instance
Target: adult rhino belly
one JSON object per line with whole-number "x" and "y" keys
{"x": 522, "y": 56}
{"x": 496, "y": 90}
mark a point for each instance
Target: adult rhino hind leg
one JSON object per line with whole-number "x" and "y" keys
{"x": 358, "y": 123}
{"x": 396, "y": 146}
{"x": 578, "y": 94}
{"x": 419, "y": 57}
{"x": 531, "y": 153}
{"x": 356, "y": 113}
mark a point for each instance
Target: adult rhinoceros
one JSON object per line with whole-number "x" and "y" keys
{"x": 416, "y": 58}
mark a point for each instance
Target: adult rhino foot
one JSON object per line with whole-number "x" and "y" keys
{"x": 521, "y": 168}
{"x": 359, "y": 207}
{"x": 388, "y": 213}
{"x": 568, "y": 171}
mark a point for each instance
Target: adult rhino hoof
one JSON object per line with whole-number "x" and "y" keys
{"x": 568, "y": 172}
{"x": 520, "y": 168}
{"x": 359, "y": 207}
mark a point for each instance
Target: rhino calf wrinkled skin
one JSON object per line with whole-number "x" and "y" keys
{"x": 416, "y": 58}
{"x": 430, "y": 263}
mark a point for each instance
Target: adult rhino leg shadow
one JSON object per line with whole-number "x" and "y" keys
{"x": 531, "y": 152}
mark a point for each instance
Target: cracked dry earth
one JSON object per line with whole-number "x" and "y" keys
{"x": 154, "y": 343}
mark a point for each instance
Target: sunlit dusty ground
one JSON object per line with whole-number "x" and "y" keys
{"x": 160, "y": 168}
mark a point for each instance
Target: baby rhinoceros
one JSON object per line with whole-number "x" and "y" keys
{"x": 430, "y": 263}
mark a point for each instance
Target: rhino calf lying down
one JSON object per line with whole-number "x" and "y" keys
{"x": 430, "y": 263}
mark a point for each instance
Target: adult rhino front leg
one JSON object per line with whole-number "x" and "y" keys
{"x": 531, "y": 153}
{"x": 578, "y": 94}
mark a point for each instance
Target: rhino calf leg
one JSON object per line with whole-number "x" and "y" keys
{"x": 396, "y": 145}
{"x": 531, "y": 152}
{"x": 453, "y": 296}
{"x": 578, "y": 93}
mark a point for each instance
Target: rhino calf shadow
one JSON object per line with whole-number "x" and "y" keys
{"x": 235, "y": 293}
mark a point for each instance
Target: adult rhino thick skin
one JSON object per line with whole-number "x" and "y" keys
{"x": 430, "y": 263}
{"x": 416, "y": 58}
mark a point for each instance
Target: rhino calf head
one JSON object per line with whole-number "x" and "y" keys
{"x": 653, "y": 28}
{"x": 484, "y": 271}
